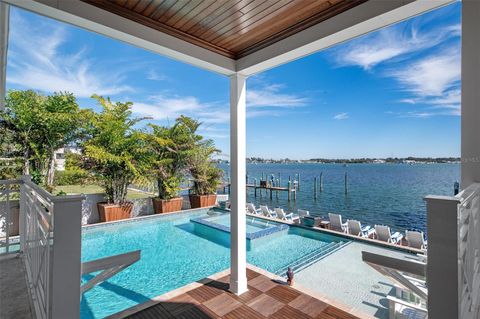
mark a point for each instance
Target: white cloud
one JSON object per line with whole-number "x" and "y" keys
{"x": 341, "y": 116}
{"x": 431, "y": 76}
{"x": 270, "y": 96}
{"x": 153, "y": 75}
{"x": 38, "y": 59}
{"x": 163, "y": 107}
{"x": 390, "y": 43}
{"x": 433, "y": 81}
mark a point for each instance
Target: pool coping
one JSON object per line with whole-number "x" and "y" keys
{"x": 191, "y": 286}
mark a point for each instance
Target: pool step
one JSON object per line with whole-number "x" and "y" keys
{"x": 311, "y": 258}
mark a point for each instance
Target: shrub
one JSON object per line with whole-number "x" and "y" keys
{"x": 75, "y": 176}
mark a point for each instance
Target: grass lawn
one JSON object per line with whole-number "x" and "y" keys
{"x": 94, "y": 189}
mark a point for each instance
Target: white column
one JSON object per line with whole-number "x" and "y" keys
{"x": 470, "y": 92}
{"x": 4, "y": 21}
{"x": 238, "y": 247}
{"x": 442, "y": 267}
{"x": 66, "y": 268}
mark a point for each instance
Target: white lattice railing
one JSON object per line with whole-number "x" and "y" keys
{"x": 9, "y": 211}
{"x": 46, "y": 230}
{"x": 37, "y": 244}
{"x": 468, "y": 252}
{"x": 453, "y": 268}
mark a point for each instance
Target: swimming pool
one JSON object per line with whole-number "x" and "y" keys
{"x": 173, "y": 255}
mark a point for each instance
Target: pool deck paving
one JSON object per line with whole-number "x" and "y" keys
{"x": 343, "y": 276}
{"x": 265, "y": 298}
{"x": 14, "y": 298}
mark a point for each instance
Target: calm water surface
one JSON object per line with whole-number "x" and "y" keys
{"x": 390, "y": 194}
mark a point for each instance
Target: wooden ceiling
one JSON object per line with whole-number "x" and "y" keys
{"x": 233, "y": 28}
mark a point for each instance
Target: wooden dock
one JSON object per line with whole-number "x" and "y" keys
{"x": 292, "y": 191}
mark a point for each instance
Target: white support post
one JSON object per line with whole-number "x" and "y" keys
{"x": 442, "y": 267}
{"x": 238, "y": 247}
{"x": 470, "y": 93}
{"x": 4, "y": 23}
{"x": 66, "y": 258}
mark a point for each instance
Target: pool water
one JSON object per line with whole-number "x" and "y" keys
{"x": 173, "y": 255}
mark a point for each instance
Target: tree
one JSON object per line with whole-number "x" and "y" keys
{"x": 171, "y": 147}
{"x": 22, "y": 109}
{"x": 206, "y": 175}
{"x": 41, "y": 125}
{"x": 60, "y": 123}
{"x": 116, "y": 151}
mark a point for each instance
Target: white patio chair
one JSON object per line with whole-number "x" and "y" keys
{"x": 356, "y": 228}
{"x": 415, "y": 239}
{"x": 303, "y": 213}
{"x": 336, "y": 223}
{"x": 383, "y": 233}
{"x": 267, "y": 212}
{"x": 284, "y": 216}
{"x": 251, "y": 209}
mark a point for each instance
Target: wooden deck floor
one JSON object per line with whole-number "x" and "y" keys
{"x": 265, "y": 299}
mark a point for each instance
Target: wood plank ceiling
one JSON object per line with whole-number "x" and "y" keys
{"x": 233, "y": 28}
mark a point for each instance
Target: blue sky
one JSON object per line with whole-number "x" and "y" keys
{"x": 394, "y": 92}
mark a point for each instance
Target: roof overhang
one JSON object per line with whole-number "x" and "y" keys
{"x": 359, "y": 20}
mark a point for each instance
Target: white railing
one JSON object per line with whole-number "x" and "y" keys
{"x": 37, "y": 244}
{"x": 9, "y": 209}
{"x": 49, "y": 242}
{"x": 468, "y": 253}
{"x": 453, "y": 269}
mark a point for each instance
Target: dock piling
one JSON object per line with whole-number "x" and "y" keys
{"x": 346, "y": 183}
{"x": 315, "y": 188}
{"x": 321, "y": 182}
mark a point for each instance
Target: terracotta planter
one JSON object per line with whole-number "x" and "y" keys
{"x": 167, "y": 206}
{"x": 197, "y": 201}
{"x": 111, "y": 212}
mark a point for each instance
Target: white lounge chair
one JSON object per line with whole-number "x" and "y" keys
{"x": 415, "y": 239}
{"x": 251, "y": 209}
{"x": 336, "y": 223}
{"x": 355, "y": 228}
{"x": 267, "y": 212}
{"x": 286, "y": 216}
{"x": 383, "y": 233}
{"x": 303, "y": 213}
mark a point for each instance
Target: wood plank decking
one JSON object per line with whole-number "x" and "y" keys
{"x": 265, "y": 298}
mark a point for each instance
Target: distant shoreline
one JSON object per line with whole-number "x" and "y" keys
{"x": 389, "y": 160}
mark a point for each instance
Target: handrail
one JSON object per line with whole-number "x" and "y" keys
{"x": 110, "y": 265}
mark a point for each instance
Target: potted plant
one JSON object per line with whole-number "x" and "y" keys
{"x": 170, "y": 149}
{"x": 205, "y": 174}
{"x": 116, "y": 154}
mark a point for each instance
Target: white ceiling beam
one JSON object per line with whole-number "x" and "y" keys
{"x": 367, "y": 17}
{"x": 4, "y": 23}
{"x": 114, "y": 26}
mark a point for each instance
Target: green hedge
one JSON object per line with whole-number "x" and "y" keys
{"x": 72, "y": 177}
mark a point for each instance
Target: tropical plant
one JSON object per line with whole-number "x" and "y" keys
{"x": 171, "y": 147}
{"x": 205, "y": 174}
{"x": 115, "y": 150}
